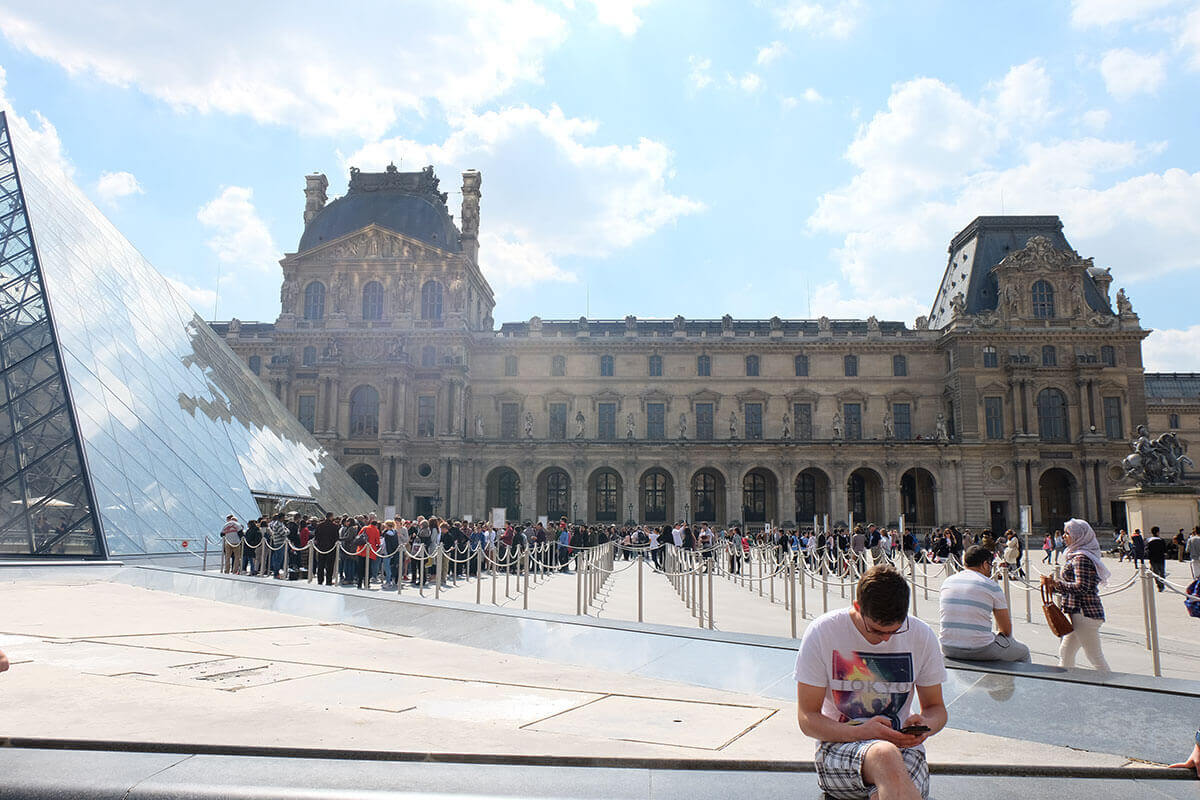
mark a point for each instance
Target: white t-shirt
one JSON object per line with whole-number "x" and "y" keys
{"x": 865, "y": 680}
{"x": 967, "y": 602}
{"x": 232, "y": 533}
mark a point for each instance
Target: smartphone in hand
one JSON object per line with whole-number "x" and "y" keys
{"x": 913, "y": 730}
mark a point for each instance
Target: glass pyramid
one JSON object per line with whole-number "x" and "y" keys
{"x": 126, "y": 424}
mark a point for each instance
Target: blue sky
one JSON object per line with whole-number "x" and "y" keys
{"x": 648, "y": 157}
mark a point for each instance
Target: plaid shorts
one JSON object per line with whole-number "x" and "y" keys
{"x": 839, "y": 769}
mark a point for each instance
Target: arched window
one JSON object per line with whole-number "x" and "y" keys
{"x": 314, "y": 300}
{"x": 704, "y": 497}
{"x": 1043, "y": 300}
{"x": 1052, "y": 415}
{"x": 309, "y": 357}
{"x": 606, "y": 499}
{"x": 1049, "y": 356}
{"x": 508, "y": 493}
{"x": 431, "y": 301}
{"x": 558, "y": 494}
{"x": 558, "y": 366}
{"x": 428, "y": 356}
{"x": 654, "y": 501}
{"x": 364, "y": 413}
{"x": 256, "y": 364}
{"x": 373, "y": 301}
{"x": 606, "y": 366}
{"x": 751, "y": 366}
{"x": 754, "y": 497}
{"x": 801, "y": 366}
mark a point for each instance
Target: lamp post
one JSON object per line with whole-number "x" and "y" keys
{"x": 687, "y": 507}
{"x": 630, "y": 517}
{"x": 574, "y": 512}
{"x": 437, "y": 501}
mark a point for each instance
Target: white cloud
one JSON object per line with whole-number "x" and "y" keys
{"x": 1091, "y": 13}
{"x": 699, "y": 72}
{"x": 1097, "y": 119}
{"x": 238, "y": 234}
{"x": 316, "y": 72}
{"x": 43, "y": 135}
{"x": 932, "y": 160}
{"x": 771, "y": 52}
{"x": 202, "y": 301}
{"x": 112, "y": 186}
{"x": 620, "y": 14}
{"x": 1172, "y": 350}
{"x": 549, "y": 193}
{"x": 1189, "y": 38}
{"x": 810, "y": 95}
{"x": 813, "y": 96}
{"x": 1127, "y": 73}
{"x": 749, "y": 83}
{"x": 1023, "y": 96}
{"x": 834, "y": 19}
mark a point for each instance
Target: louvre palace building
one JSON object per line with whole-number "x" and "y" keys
{"x": 1021, "y": 387}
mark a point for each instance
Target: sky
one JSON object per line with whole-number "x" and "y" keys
{"x": 649, "y": 157}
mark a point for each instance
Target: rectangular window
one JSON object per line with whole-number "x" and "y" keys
{"x": 1049, "y": 356}
{"x": 606, "y": 421}
{"x": 802, "y": 416}
{"x": 655, "y": 366}
{"x": 510, "y": 366}
{"x": 850, "y": 366}
{"x": 656, "y": 421}
{"x": 558, "y": 366}
{"x": 1173, "y": 421}
{"x": 704, "y": 421}
{"x": 703, "y": 366}
{"x": 1108, "y": 356}
{"x": 558, "y": 420}
{"x": 899, "y": 366}
{"x": 990, "y": 357}
{"x": 752, "y": 366}
{"x": 801, "y": 366}
{"x": 306, "y": 411}
{"x": 1113, "y": 428}
{"x": 754, "y": 428}
{"x": 993, "y": 417}
{"x": 852, "y": 416}
{"x": 426, "y": 413}
{"x": 902, "y": 420}
{"x": 509, "y": 413}
{"x": 606, "y": 366}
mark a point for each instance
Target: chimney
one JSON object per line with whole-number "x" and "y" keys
{"x": 470, "y": 213}
{"x": 314, "y": 195}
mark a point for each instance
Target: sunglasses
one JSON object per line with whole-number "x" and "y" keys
{"x": 874, "y": 631}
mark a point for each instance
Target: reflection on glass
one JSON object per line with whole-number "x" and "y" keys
{"x": 176, "y": 431}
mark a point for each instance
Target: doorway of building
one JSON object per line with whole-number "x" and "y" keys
{"x": 1055, "y": 490}
{"x": 999, "y": 516}
{"x": 422, "y": 506}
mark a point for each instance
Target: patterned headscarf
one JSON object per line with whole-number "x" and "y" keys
{"x": 1083, "y": 540}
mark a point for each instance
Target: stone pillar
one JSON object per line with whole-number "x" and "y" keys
{"x": 839, "y": 501}
{"x": 343, "y": 411}
{"x": 1085, "y": 490}
{"x": 527, "y": 493}
{"x": 733, "y": 495}
{"x": 1081, "y": 388}
{"x": 314, "y": 195}
{"x": 891, "y": 497}
{"x": 322, "y": 391}
{"x": 472, "y": 180}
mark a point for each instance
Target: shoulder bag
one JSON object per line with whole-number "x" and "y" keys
{"x": 1058, "y": 622}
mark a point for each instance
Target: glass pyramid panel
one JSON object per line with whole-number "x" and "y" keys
{"x": 104, "y": 363}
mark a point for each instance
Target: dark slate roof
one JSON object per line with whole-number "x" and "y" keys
{"x": 1173, "y": 385}
{"x": 983, "y": 244}
{"x": 711, "y": 328}
{"x": 408, "y": 203}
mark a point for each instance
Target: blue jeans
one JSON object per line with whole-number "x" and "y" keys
{"x": 277, "y": 560}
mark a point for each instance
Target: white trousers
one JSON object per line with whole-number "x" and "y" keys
{"x": 1087, "y": 636}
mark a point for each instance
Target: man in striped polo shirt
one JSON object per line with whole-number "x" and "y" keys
{"x": 969, "y": 601}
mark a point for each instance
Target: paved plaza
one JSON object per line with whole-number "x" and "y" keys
{"x": 156, "y": 655}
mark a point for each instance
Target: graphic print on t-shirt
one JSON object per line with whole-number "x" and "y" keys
{"x": 869, "y": 685}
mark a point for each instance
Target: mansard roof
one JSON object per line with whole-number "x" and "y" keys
{"x": 1173, "y": 385}
{"x": 408, "y": 203}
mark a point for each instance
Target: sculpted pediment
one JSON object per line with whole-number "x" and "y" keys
{"x": 370, "y": 243}
{"x": 1039, "y": 254}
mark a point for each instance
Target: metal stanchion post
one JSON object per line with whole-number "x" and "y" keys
{"x": 710, "y": 600}
{"x": 925, "y": 578}
{"x": 1152, "y": 605}
{"x": 1007, "y": 591}
{"x": 824, "y": 586}
{"x": 204, "y": 562}
{"x": 311, "y": 547}
{"x": 525, "y": 566}
{"x": 578, "y": 586}
{"x": 437, "y": 571}
{"x": 803, "y": 598}
{"x": 912, "y": 569}
{"x": 761, "y": 564}
{"x": 699, "y": 598}
{"x": 494, "y": 579}
{"x": 1143, "y": 577}
{"x": 791, "y": 582}
{"x": 286, "y": 556}
{"x": 641, "y": 561}
{"x": 479, "y": 575}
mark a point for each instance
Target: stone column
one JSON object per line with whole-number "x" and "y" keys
{"x": 1081, "y": 388}
{"x": 733, "y": 495}
{"x": 527, "y": 492}
{"x": 322, "y": 393}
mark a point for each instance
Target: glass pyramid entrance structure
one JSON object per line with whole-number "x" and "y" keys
{"x": 126, "y": 425}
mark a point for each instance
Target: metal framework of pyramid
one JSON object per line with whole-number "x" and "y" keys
{"x": 126, "y": 424}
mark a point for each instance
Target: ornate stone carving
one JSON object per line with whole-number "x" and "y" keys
{"x": 479, "y": 426}
{"x": 922, "y": 323}
{"x": 341, "y": 293}
{"x": 288, "y": 294}
{"x": 683, "y": 426}
{"x": 679, "y": 323}
{"x": 1124, "y": 307}
{"x": 872, "y": 324}
{"x": 727, "y": 323}
{"x": 732, "y": 425}
{"x": 787, "y": 426}
{"x": 1039, "y": 254}
{"x": 940, "y": 431}
{"x": 889, "y": 427}
{"x": 629, "y": 425}
{"x": 839, "y": 426}
{"x": 470, "y": 203}
{"x": 579, "y": 423}
{"x": 528, "y": 425}
{"x": 958, "y": 306}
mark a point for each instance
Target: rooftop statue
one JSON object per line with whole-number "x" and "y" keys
{"x": 1156, "y": 462}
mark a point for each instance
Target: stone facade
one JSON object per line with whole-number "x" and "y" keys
{"x": 1021, "y": 388}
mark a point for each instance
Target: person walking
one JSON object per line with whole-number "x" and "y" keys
{"x": 1059, "y": 545}
{"x": 1192, "y": 550}
{"x": 1137, "y": 548}
{"x": 1083, "y": 574}
{"x": 1156, "y": 554}
{"x": 1047, "y": 548}
{"x": 1122, "y": 545}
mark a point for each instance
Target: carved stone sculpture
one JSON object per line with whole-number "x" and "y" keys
{"x": 839, "y": 427}
{"x": 1079, "y": 306}
{"x": 872, "y": 324}
{"x": 629, "y": 425}
{"x": 732, "y": 425}
{"x": 922, "y": 323}
{"x": 683, "y": 426}
{"x": 889, "y": 426}
{"x": 528, "y": 425}
{"x": 958, "y": 305}
{"x": 579, "y": 421}
{"x": 479, "y": 426}
{"x": 1123, "y": 304}
{"x": 787, "y": 426}
{"x": 1156, "y": 462}
{"x": 1012, "y": 300}
{"x": 941, "y": 433}
{"x": 823, "y": 324}
{"x": 288, "y": 295}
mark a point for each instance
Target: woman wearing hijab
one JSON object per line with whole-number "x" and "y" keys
{"x": 1083, "y": 574}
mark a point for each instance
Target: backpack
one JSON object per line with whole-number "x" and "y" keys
{"x": 1192, "y": 602}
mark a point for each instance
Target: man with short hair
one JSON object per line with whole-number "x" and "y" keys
{"x": 969, "y": 600}
{"x": 1192, "y": 550}
{"x": 1156, "y": 554}
{"x": 856, "y": 673}
{"x": 325, "y": 538}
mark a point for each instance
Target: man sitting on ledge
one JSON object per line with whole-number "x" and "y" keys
{"x": 969, "y": 600}
{"x": 856, "y": 673}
